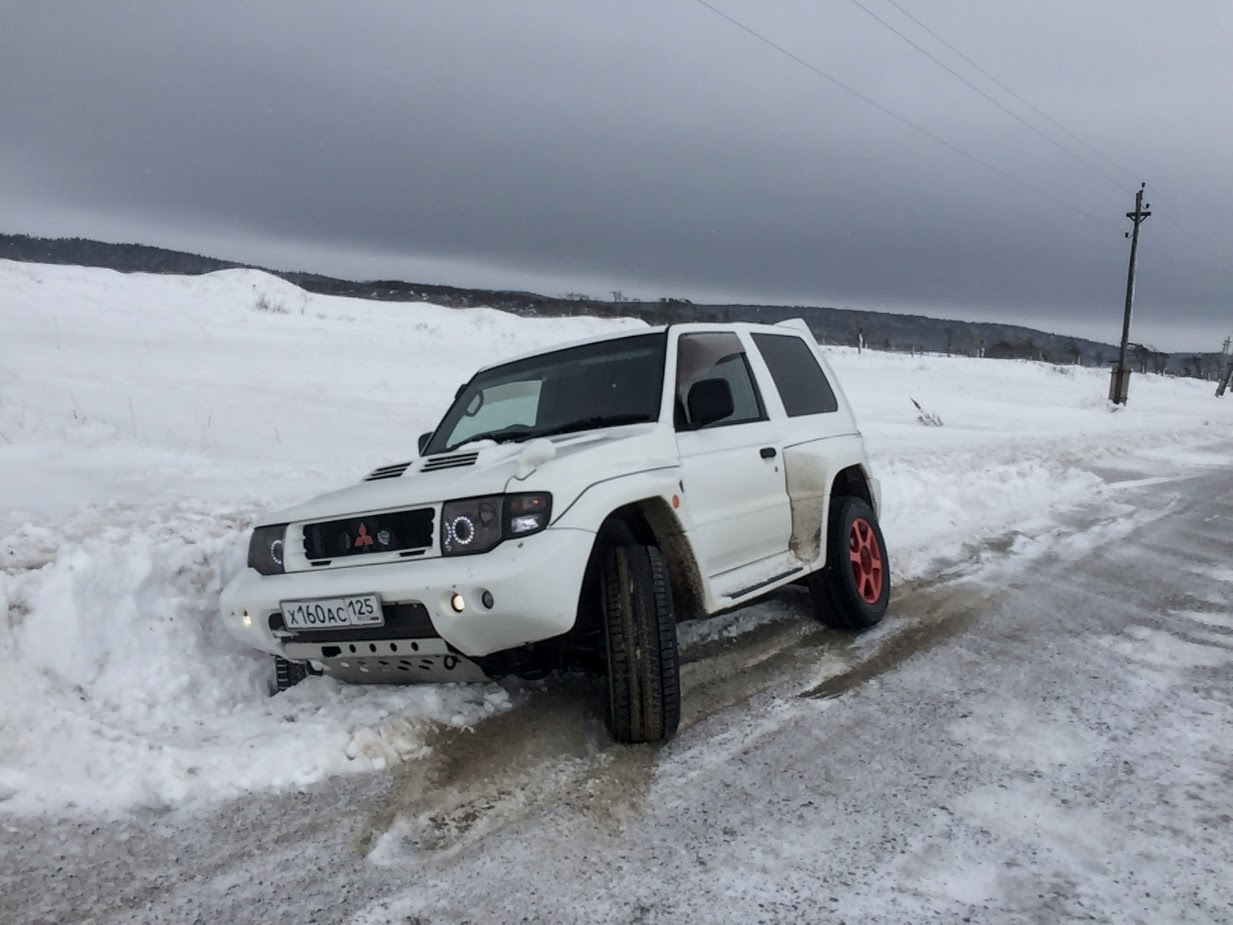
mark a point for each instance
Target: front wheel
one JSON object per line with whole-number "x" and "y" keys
{"x": 852, "y": 591}
{"x": 642, "y": 684}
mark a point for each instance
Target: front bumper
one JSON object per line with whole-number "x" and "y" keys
{"x": 534, "y": 583}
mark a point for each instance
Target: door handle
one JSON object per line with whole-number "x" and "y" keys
{"x": 767, "y": 452}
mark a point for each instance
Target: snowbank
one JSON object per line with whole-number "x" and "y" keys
{"x": 145, "y": 420}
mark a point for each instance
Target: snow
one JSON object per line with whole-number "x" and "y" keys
{"x": 146, "y": 420}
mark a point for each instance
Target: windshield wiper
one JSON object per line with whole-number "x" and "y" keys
{"x": 599, "y": 420}
{"x": 517, "y": 433}
{"x": 510, "y": 434}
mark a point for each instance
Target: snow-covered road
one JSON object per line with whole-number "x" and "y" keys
{"x": 1041, "y": 732}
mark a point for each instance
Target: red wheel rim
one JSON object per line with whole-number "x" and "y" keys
{"x": 866, "y": 556}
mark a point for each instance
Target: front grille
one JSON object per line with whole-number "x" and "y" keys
{"x": 387, "y": 472}
{"x": 435, "y": 463}
{"x": 358, "y": 536}
{"x": 402, "y": 621}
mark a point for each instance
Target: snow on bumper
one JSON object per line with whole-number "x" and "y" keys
{"x": 534, "y": 585}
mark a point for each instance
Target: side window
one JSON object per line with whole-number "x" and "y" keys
{"x": 703, "y": 361}
{"x": 798, "y": 378}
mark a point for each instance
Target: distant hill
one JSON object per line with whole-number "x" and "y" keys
{"x": 881, "y": 330}
{"x": 126, "y": 258}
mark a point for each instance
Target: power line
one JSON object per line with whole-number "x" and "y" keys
{"x": 1010, "y": 112}
{"x": 1043, "y": 115}
{"x": 937, "y": 138}
{"x": 894, "y": 115}
{"x": 1061, "y": 128}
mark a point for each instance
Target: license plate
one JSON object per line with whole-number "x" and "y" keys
{"x": 333, "y": 613}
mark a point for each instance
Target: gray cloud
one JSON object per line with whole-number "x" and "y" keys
{"x": 649, "y": 146}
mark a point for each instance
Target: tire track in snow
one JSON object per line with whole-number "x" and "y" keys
{"x": 552, "y": 748}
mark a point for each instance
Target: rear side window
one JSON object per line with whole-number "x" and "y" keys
{"x": 798, "y": 377}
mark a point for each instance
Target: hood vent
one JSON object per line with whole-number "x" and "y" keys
{"x": 387, "y": 472}
{"x": 435, "y": 463}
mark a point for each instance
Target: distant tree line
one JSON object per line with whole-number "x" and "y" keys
{"x": 126, "y": 258}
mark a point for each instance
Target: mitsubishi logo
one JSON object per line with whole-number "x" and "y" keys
{"x": 363, "y": 539}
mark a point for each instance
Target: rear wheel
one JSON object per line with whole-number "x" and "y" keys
{"x": 642, "y": 687}
{"x": 288, "y": 674}
{"x": 853, "y": 590}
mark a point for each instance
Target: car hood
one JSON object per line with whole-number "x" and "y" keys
{"x": 488, "y": 468}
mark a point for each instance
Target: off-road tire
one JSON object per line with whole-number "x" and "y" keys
{"x": 288, "y": 674}
{"x": 642, "y": 682}
{"x": 853, "y": 590}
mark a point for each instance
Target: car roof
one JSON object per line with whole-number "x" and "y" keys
{"x": 797, "y": 325}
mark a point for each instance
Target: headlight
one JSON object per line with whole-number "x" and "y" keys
{"x": 474, "y": 525}
{"x": 471, "y": 525}
{"x": 265, "y": 549}
{"x": 527, "y": 513}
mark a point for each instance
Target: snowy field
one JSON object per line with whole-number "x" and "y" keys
{"x": 145, "y": 420}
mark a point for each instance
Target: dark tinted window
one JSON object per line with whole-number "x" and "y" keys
{"x": 601, "y": 384}
{"x": 715, "y": 356}
{"x": 799, "y": 379}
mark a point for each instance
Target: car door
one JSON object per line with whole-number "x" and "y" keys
{"x": 733, "y": 477}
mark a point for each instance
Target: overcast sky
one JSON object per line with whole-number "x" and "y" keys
{"x": 650, "y": 146}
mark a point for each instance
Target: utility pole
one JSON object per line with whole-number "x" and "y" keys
{"x": 1119, "y": 384}
{"x": 1227, "y": 373}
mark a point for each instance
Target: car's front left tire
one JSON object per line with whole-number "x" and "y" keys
{"x": 642, "y": 687}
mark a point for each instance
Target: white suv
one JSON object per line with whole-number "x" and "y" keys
{"x": 569, "y": 509}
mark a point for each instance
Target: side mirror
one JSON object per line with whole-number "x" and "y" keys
{"x": 423, "y": 441}
{"x": 710, "y": 400}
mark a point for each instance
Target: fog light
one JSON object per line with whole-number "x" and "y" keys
{"x": 486, "y": 600}
{"x": 246, "y": 619}
{"x": 457, "y": 602}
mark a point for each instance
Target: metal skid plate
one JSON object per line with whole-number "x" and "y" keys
{"x": 389, "y": 661}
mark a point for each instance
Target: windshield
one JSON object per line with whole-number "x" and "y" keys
{"x": 595, "y": 385}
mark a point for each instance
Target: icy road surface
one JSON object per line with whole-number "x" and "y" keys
{"x": 1041, "y": 732}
